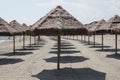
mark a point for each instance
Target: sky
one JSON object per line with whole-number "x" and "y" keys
{"x": 86, "y": 11}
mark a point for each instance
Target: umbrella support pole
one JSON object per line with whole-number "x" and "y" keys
{"x": 34, "y": 39}
{"x": 88, "y": 39}
{"x": 77, "y": 37}
{"x": 81, "y": 38}
{"x": 38, "y": 39}
{"x": 30, "y": 40}
{"x": 14, "y": 44}
{"x": 84, "y": 38}
{"x": 23, "y": 41}
{"x": 102, "y": 41}
{"x": 58, "y": 55}
{"x": 70, "y": 37}
{"x": 115, "y": 43}
{"x": 94, "y": 40}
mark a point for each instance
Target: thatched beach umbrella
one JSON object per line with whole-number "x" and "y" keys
{"x": 60, "y": 22}
{"x": 91, "y": 28}
{"x": 7, "y": 30}
{"x": 36, "y": 24}
{"x": 110, "y": 27}
{"x": 18, "y": 26}
{"x": 97, "y": 26}
{"x": 26, "y": 28}
{"x": 20, "y": 29}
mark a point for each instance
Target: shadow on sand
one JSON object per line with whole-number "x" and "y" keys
{"x": 5, "y": 61}
{"x": 107, "y": 50}
{"x": 96, "y": 46}
{"x": 64, "y": 48}
{"x": 28, "y": 49}
{"x": 67, "y": 59}
{"x": 16, "y": 54}
{"x": 115, "y": 56}
{"x": 91, "y": 43}
{"x": 65, "y": 52}
{"x": 71, "y": 74}
{"x": 64, "y": 45}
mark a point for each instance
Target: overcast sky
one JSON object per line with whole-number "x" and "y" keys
{"x": 86, "y": 11}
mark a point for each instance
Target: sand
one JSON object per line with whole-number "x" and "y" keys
{"x": 79, "y": 61}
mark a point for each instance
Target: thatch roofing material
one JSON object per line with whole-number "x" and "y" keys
{"x": 114, "y": 19}
{"x": 97, "y": 25}
{"x": 6, "y": 29}
{"x": 109, "y": 27}
{"x": 116, "y": 29}
{"x": 26, "y": 27}
{"x": 89, "y": 26}
{"x": 59, "y": 21}
{"x": 17, "y": 26}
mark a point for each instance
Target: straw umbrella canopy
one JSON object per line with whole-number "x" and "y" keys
{"x": 18, "y": 26}
{"x": 107, "y": 28}
{"x": 20, "y": 29}
{"x": 7, "y": 30}
{"x": 110, "y": 27}
{"x": 59, "y": 22}
{"x": 26, "y": 27}
{"x": 89, "y": 26}
{"x": 96, "y": 26}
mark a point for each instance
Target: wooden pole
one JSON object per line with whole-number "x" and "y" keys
{"x": 14, "y": 44}
{"x": 115, "y": 43}
{"x": 30, "y": 40}
{"x": 38, "y": 39}
{"x": 73, "y": 37}
{"x": 94, "y": 40}
{"x": 59, "y": 44}
{"x": 81, "y": 37}
{"x": 84, "y": 38}
{"x": 102, "y": 41}
{"x": 77, "y": 37}
{"x": 88, "y": 39}
{"x": 67, "y": 37}
{"x": 23, "y": 41}
{"x": 34, "y": 39}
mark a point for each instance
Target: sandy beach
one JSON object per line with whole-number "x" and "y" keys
{"x": 79, "y": 61}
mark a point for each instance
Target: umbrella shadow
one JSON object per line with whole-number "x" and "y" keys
{"x": 71, "y": 74}
{"x": 67, "y": 59}
{"x": 16, "y": 54}
{"x": 5, "y": 61}
{"x": 41, "y": 43}
{"x": 65, "y": 52}
{"x": 91, "y": 43}
{"x": 96, "y": 46}
{"x": 64, "y": 45}
{"x": 33, "y": 46}
{"x": 64, "y": 48}
{"x": 65, "y": 42}
{"x": 28, "y": 49}
{"x": 115, "y": 56}
{"x": 56, "y": 39}
{"x": 107, "y": 50}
